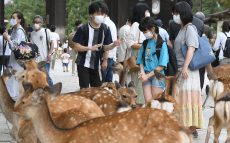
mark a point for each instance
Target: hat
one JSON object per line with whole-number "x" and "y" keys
{"x": 159, "y": 23}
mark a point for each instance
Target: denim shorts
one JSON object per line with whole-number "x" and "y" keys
{"x": 153, "y": 81}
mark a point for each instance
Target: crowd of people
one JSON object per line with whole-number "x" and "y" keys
{"x": 97, "y": 45}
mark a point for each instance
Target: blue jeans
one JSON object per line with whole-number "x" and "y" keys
{"x": 107, "y": 75}
{"x": 47, "y": 68}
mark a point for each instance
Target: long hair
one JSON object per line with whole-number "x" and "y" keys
{"x": 21, "y": 17}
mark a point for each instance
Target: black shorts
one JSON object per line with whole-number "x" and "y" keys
{"x": 88, "y": 77}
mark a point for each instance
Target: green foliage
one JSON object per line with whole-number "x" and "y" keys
{"x": 29, "y": 8}
{"x": 76, "y": 10}
{"x": 207, "y": 6}
{"x": 224, "y": 3}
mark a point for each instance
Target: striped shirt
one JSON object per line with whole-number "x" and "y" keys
{"x": 86, "y": 35}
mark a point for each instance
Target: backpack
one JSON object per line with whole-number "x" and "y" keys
{"x": 226, "y": 49}
{"x": 172, "y": 68}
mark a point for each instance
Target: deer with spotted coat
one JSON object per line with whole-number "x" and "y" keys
{"x": 136, "y": 126}
{"x": 219, "y": 89}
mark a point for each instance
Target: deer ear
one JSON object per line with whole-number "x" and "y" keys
{"x": 131, "y": 84}
{"x": 27, "y": 86}
{"x": 41, "y": 64}
{"x": 117, "y": 84}
{"x": 55, "y": 89}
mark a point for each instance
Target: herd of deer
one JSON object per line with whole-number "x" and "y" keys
{"x": 93, "y": 115}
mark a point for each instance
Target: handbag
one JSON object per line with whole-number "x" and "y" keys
{"x": 25, "y": 51}
{"x": 202, "y": 56}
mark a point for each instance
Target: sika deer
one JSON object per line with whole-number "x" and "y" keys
{"x": 220, "y": 118}
{"x": 137, "y": 126}
{"x": 7, "y": 106}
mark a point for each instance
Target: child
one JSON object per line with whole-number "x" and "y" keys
{"x": 65, "y": 60}
{"x": 149, "y": 61}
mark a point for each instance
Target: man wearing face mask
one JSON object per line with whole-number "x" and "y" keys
{"x": 88, "y": 42}
{"x": 41, "y": 37}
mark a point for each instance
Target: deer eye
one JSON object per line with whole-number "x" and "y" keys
{"x": 23, "y": 76}
{"x": 124, "y": 96}
{"x": 135, "y": 96}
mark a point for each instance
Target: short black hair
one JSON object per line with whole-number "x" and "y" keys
{"x": 52, "y": 28}
{"x": 105, "y": 8}
{"x": 139, "y": 12}
{"x": 96, "y": 7}
{"x": 226, "y": 26}
{"x": 2, "y": 29}
{"x": 188, "y": 1}
{"x": 65, "y": 50}
{"x": 77, "y": 23}
{"x": 147, "y": 23}
{"x": 185, "y": 12}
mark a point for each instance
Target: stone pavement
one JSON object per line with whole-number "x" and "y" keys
{"x": 70, "y": 83}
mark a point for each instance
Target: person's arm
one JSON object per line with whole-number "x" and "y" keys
{"x": 80, "y": 48}
{"x": 217, "y": 44}
{"x": 187, "y": 61}
{"x": 111, "y": 46}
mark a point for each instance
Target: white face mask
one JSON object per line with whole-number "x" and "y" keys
{"x": 148, "y": 35}
{"x": 147, "y": 13}
{"x": 176, "y": 18}
{"x": 99, "y": 19}
{"x": 13, "y": 22}
{"x": 36, "y": 26}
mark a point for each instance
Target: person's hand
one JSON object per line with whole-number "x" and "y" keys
{"x": 49, "y": 58}
{"x": 184, "y": 72}
{"x": 104, "y": 65}
{"x": 95, "y": 47}
{"x": 6, "y": 36}
{"x": 144, "y": 77}
{"x": 117, "y": 43}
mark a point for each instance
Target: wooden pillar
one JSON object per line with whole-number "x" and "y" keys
{"x": 2, "y": 12}
{"x": 56, "y": 15}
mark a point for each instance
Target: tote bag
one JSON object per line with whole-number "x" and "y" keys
{"x": 202, "y": 56}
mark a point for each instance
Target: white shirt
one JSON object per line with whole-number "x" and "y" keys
{"x": 39, "y": 38}
{"x": 220, "y": 43}
{"x": 135, "y": 36}
{"x": 123, "y": 34}
{"x": 54, "y": 37}
{"x": 113, "y": 30}
{"x": 65, "y": 58}
{"x": 8, "y": 51}
{"x": 164, "y": 34}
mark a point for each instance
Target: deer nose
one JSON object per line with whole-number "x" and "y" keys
{"x": 134, "y": 106}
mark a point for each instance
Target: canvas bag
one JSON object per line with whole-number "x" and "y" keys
{"x": 202, "y": 56}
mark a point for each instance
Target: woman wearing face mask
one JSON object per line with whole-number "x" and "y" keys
{"x": 17, "y": 36}
{"x": 188, "y": 95}
{"x": 149, "y": 61}
{"x": 134, "y": 41}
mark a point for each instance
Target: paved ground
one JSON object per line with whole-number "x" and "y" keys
{"x": 70, "y": 84}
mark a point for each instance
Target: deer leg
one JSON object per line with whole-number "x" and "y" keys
{"x": 228, "y": 138}
{"x": 210, "y": 125}
{"x": 217, "y": 130}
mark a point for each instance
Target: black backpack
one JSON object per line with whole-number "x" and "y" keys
{"x": 226, "y": 49}
{"x": 172, "y": 68}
